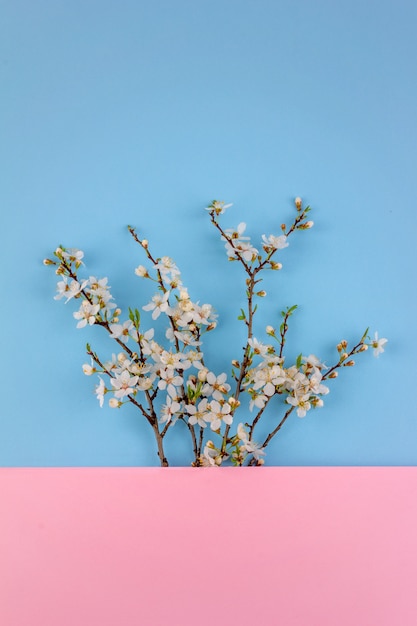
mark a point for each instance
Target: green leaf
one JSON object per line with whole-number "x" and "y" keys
{"x": 299, "y": 361}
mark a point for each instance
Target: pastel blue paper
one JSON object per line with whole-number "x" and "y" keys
{"x": 141, "y": 113}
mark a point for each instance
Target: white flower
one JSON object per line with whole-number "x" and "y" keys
{"x": 259, "y": 347}
{"x": 219, "y": 413}
{"x": 86, "y": 314}
{"x": 216, "y": 386}
{"x": 99, "y": 287}
{"x": 316, "y": 385}
{"x": 258, "y": 401}
{"x": 268, "y": 378}
{"x": 69, "y": 290}
{"x": 218, "y": 207}
{"x": 100, "y": 294}
{"x": 238, "y": 246}
{"x": 167, "y": 268}
{"x": 158, "y": 305}
{"x": 205, "y": 315}
{"x": 210, "y": 454}
{"x": 237, "y": 233}
{"x": 378, "y": 345}
{"x": 169, "y": 381}
{"x": 301, "y": 402}
{"x": 122, "y": 331}
{"x": 186, "y": 337}
{"x": 141, "y": 271}
{"x": 73, "y": 255}
{"x": 172, "y": 359}
{"x": 100, "y": 391}
{"x": 313, "y": 361}
{"x": 169, "y": 410}
{"x": 198, "y": 415}
{"x": 242, "y": 249}
{"x": 248, "y": 445}
{"x": 89, "y": 369}
{"x": 124, "y": 384}
{"x": 274, "y": 243}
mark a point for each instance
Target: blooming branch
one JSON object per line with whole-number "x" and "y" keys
{"x": 170, "y": 382}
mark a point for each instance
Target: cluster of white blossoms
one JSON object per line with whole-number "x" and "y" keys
{"x": 169, "y": 381}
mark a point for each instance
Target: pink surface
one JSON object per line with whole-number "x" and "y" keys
{"x": 179, "y": 547}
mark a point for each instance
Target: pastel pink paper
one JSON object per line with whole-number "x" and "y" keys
{"x": 179, "y": 547}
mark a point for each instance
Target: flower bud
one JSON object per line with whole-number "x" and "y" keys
{"x": 275, "y": 265}
{"x": 344, "y": 343}
{"x": 270, "y": 330}
{"x": 343, "y": 356}
{"x": 260, "y": 462}
{"x": 261, "y": 294}
{"x": 202, "y": 374}
{"x": 88, "y": 369}
{"x": 363, "y": 347}
{"x": 298, "y": 203}
{"x": 211, "y": 326}
{"x": 48, "y": 262}
{"x": 141, "y": 271}
{"x": 333, "y": 374}
{"x": 350, "y": 363}
{"x": 235, "y": 363}
{"x": 218, "y": 460}
{"x": 233, "y": 402}
{"x": 283, "y": 228}
{"x": 145, "y": 243}
{"x": 114, "y": 403}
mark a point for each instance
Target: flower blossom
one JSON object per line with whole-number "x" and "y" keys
{"x": 69, "y": 289}
{"x": 198, "y": 415}
{"x": 123, "y": 384}
{"x": 248, "y": 445}
{"x": 100, "y": 391}
{"x": 274, "y": 242}
{"x": 378, "y": 345}
{"x": 218, "y": 207}
{"x": 122, "y": 331}
{"x": 86, "y": 314}
{"x": 238, "y": 245}
{"x": 73, "y": 255}
{"x": 216, "y": 386}
{"x": 258, "y": 347}
{"x": 169, "y": 380}
{"x": 169, "y": 271}
{"x": 301, "y": 403}
{"x": 219, "y": 413}
{"x": 169, "y": 410}
{"x": 158, "y": 305}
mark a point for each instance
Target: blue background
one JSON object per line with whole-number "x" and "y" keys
{"x": 117, "y": 113}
